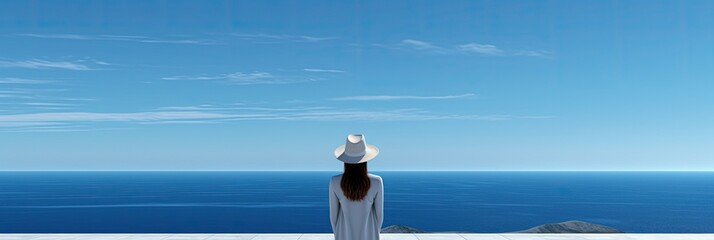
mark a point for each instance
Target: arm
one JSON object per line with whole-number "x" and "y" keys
{"x": 334, "y": 207}
{"x": 379, "y": 204}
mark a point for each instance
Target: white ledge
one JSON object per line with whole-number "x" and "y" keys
{"x": 384, "y": 236}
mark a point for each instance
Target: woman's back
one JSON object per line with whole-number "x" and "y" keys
{"x": 357, "y": 220}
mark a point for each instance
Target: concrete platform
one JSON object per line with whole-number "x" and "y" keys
{"x": 385, "y": 236}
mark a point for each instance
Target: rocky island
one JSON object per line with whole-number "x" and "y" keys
{"x": 400, "y": 229}
{"x": 573, "y": 226}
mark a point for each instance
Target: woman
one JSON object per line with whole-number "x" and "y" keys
{"x": 356, "y": 197}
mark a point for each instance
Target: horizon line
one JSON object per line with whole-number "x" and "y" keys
{"x": 534, "y": 170}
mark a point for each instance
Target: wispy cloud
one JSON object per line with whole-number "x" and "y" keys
{"x": 480, "y": 49}
{"x": 211, "y": 39}
{"x": 467, "y": 48}
{"x": 415, "y": 45}
{"x": 202, "y": 107}
{"x": 108, "y": 117}
{"x": 89, "y": 119}
{"x": 487, "y": 49}
{"x": 26, "y": 93}
{"x": 539, "y": 53}
{"x": 536, "y": 117}
{"x": 240, "y": 78}
{"x": 10, "y": 95}
{"x": 33, "y": 99}
{"x": 69, "y": 119}
{"x": 126, "y": 38}
{"x": 45, "y": 128}
{"x": 48, "y": 104}
{"x": 352, "y": 114}
{"x": 422, "y": 46}
{"x": 322, "y": 70}
{"x": 391, "y": 97}
{"x": 493, "y": 50}
{"x": 282, "y": 38}
{"x": 22, "y": 81}
{"x": 79, "y": 65}
{"x": 22, "y": 124}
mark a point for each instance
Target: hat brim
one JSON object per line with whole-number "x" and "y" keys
{"x": 370, "y": 153}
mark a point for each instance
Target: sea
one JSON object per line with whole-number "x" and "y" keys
{"x": 297, "y": 202}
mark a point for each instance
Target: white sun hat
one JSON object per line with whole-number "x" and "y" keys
{"x": 356, "y": 150}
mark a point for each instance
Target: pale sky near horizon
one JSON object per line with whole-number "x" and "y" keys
{"x": 278, "y": 85}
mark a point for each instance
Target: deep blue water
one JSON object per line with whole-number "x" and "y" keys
{"x": 254, "y": 202}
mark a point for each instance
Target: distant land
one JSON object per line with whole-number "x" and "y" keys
{"x": 401, "y": 229}
{"x": 573, "y": 226}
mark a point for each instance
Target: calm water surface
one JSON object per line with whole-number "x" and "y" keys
{"x": 259, "y": 202}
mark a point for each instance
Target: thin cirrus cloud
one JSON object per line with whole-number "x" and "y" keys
{"x": 201, "y": 107}
{"x": 10, "y": 80}
{"x": 422, "y": 46}
{"x": 39, "y": 94}
{"x": 121, "y": 117}
{"x": 67, "y": 118}
{"x": 125, "y": 38}
{"x": 487, "y": 49}
{"x": 90, "y": 120}
{"x": 79, "y": 65}
{"x": 480, "y": 48}
{"x": 467, "y": 48}
{"x": 27, "y": 93}
{"x": 282, "y": 38}
{"x": 414, "y": 45}
{"x": 241, "y": 78}
{"x": 322, "y": 70}
{"x": 48, "y": 104}
{"x": 214, "y": 39}
{"x": 392, "y": 97}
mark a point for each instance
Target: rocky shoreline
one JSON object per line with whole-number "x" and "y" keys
{"x": 573, "y": 226}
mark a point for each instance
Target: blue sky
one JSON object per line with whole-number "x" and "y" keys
{"x": 277, "y": 85}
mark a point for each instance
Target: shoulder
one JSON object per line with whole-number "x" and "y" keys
{"x": 374, "y": 177}
{"x": 336, "y": 178}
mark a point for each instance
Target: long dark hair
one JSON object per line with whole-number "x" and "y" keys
{"x": 355, "y": 182}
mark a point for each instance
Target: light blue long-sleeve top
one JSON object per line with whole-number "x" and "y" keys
{"x": 357, "y": 220}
